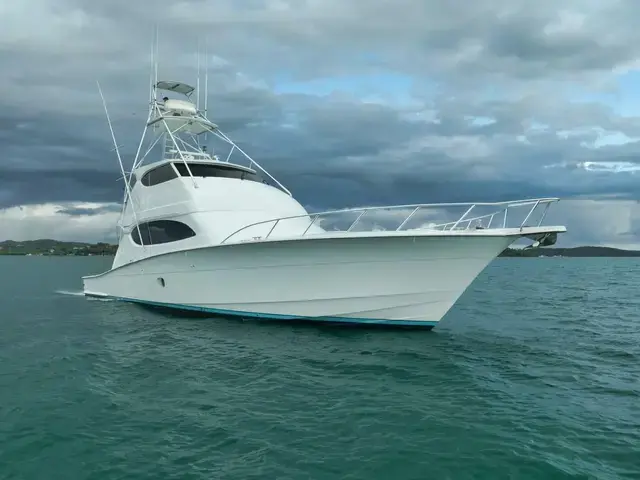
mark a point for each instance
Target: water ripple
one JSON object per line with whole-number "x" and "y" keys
{"x": 535, "y": 374}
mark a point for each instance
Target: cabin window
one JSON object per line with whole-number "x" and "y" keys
{"x": 161, "y": 231}
{"x": 208, "y": 170}
{"x": 162, "y": 174}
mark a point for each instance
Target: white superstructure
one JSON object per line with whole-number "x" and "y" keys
{"x": 200, "y": 230}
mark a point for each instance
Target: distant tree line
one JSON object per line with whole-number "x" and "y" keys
{"x": 569, "y": 252}
{"x": 56, "y": 248}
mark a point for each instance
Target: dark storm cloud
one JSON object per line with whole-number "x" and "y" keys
{"x": 331, "y": 151}
{"x": 25, "y": 187}
{"x": 351, "y": 150}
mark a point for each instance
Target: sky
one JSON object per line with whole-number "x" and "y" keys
{"x": 346, "y": 102}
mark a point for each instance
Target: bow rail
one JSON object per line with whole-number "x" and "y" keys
{"x": 495, "y": 219}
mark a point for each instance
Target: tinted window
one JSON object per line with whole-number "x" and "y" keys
{"x": 159, "y": 175}
{"x": 207, "y": 170}
{"x": 161, "y": 231}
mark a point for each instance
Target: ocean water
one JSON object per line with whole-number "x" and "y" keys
{"x": 535, "y": 374}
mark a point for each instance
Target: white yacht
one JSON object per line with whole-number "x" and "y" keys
{"x": 200, "y": 230}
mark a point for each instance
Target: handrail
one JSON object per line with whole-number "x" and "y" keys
{"x": 313, "y": 217}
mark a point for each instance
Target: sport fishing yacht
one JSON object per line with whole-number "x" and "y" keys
{"x": 201, "y": 230}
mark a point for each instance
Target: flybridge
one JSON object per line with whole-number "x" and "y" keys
{"x": 181, "y": 128}
{"x": 180, "y": 125}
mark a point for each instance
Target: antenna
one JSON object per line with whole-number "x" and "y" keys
{"x": 206, "y": 79}
{"x": 151, "y": 84}
{"x": 117, "y": 149}
{"x": 155, "y": 82}
{"x": 206, "y": 76}
{"x": 198, "y": 75}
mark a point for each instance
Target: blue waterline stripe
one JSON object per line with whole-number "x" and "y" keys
{"x": 276, "y": 316}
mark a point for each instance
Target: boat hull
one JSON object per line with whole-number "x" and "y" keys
{"x": 406, "y": 280}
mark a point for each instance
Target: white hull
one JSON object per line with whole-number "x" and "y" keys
{"x": 399, "y": 279}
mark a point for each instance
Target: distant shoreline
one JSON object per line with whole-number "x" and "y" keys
{"x": 582, "y": 252}
{"x": 48, "y": 247}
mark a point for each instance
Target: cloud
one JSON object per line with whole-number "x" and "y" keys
{"x": 346, "y": 102}
{"x": 81, "y": 222}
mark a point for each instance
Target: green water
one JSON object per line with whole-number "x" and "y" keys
{"x": 534, "y": 374}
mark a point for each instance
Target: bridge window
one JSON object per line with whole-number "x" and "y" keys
{"x": 208, "y": 170}
{"x": 221, "y": 171}
{"x": 161, "y": 231}
{"x": 162, "y": 174}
